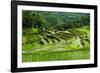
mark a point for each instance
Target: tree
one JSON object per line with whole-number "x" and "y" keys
{"x": 33, "y": 20}
{"x": 27, "y": 19}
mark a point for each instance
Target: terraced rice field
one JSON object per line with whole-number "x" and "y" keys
{"x": 72, "y": 44}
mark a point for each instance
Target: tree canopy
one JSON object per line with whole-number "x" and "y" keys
{"x": 54, "y": 20}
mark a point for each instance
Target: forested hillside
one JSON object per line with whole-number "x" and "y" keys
{"x": 46, "y": 34}
{"x": 54, "y": 20}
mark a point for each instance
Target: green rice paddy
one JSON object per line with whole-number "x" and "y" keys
{"x": 72, "y": 44}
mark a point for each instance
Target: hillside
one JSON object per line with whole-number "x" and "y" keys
{"x": 47, "y": 36}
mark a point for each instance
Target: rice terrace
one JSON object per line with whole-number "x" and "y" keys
{"x": 54, "y": 36}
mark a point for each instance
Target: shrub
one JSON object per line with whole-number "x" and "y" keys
{"x": 24, "y": 40}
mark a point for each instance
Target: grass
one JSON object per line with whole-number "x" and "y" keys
{"x": 72, "y": 44}
{"x": 54, "y": 56}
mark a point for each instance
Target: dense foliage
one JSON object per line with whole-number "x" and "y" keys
{"x": 54, "y": 20}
